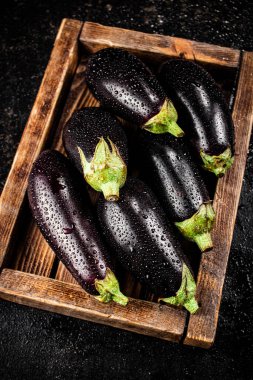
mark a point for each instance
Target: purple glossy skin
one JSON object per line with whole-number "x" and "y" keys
{"x": 84, "y": 129}
{"x": 63, "y": 213}
{"x": 124, "y": 85}
{"x": 171, "y": 172}
{"x": 202, "y": 110}
{"x": 137, "y": 229}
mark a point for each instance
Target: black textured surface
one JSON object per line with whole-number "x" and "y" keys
{"x": 38, "y": 345}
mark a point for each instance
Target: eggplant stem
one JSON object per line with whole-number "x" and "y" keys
{"x": 106, "y": 171}
{"x": 109, "y": 290}
{"x": 185, "y": 296}
{"x": 217, "y": 164}
{"x": 165, "y": 121}
{"x": 198, "y": 227}
{"x": 110, "y": 191}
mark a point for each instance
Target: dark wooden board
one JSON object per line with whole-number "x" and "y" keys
{"x": 156, "y": 47}
{"x": 144, "y": 317}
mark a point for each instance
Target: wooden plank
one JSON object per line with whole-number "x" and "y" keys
{"x": 62, "y": 65}
{"x": 158, "y": 47}
{"x": 202, "y": 326}
{"x": 64, "y": 275}
{"x": 138, "y": 316}
{"x": 34, "y": 254}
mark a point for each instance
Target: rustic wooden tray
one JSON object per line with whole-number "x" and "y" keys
{"x": 30, "y": 273}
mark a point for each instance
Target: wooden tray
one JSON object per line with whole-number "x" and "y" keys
{"x": 30, "y": 274}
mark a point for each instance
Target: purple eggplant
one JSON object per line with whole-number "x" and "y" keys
{"x": 171, "y": 172}
{"x": 63, "y": 213}
{"x": 137, "y": 229}
{"x": 202, "y": 112}
{"x": 125, "y": 86}
{"x": 97, "y": 145}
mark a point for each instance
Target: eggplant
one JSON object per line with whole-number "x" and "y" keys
{"x": 203, "y": 112}
{"x": 169, "y": 169}
{"x": 96, "y": 143}
{"x": 63, "y": 214}
{"x": 138, "y": 232}
{"x": 125, "y": 86}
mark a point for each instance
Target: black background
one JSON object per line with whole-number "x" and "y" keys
{"x": 36, "y": 344}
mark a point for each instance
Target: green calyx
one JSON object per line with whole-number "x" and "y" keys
{"x": 165, "y": 121}
{"x": 217, "y": 164}
{"x": 198, "y": 227}
{"x": 109, "y": 290}
{"x": 107, "y": 171}
{"x": 185, "y": 296}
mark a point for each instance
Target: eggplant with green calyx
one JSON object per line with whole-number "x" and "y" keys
{"x": 170, "y": 170}
{"x": 125, "y": 86}
{"x": 97, "y": 145}
{"x": 63, "y": 213}
{"x": 202, "y": 111}
{"x": 137, "y": 229}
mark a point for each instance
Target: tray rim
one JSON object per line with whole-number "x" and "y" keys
{"x": 157, "y": 45}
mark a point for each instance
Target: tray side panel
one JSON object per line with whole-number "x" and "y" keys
{"x": 139, "y": 316}
{"x": 202, "y": 326}
{"x": 60, "y": 69}
{"x": 95, "y": 37}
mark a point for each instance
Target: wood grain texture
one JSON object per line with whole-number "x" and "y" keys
{"x": 33, "y": 253}
{"x": 202, "y": 326}
{"x": 138, "y": 316}
{"x": 157, "y": 47}
{"x": 64, "y": 275}
{"x": 62, "y": 65}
